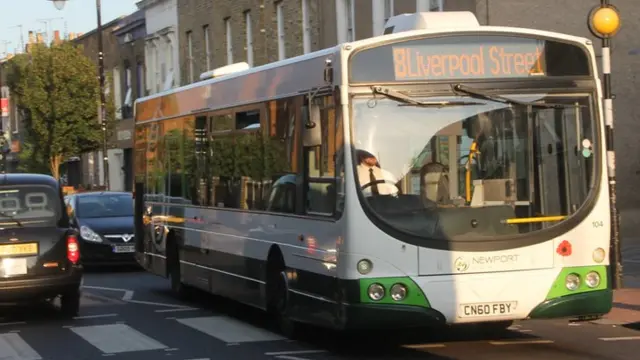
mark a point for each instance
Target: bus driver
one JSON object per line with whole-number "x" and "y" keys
{"x": 373, "y": 179}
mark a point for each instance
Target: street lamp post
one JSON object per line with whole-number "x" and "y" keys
{"x": 102, "y": 118}
{"x": 604, "y": 23}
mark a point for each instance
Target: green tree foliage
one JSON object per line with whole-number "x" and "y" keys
{"x": 58, "y": 92}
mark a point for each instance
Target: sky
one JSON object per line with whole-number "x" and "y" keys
{"x": 79, "y": 15}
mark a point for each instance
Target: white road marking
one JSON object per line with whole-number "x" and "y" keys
{"x": 229, "y": 330}
{"x": 171, "y": 349}
{"x": 157, "y": 304}
{"x": 117, "y": 338}
{"x": 94, "y": 316}
{"x": 177, "y": 309}
{"x": 13, "y": 323}
{"x": 105, "y": 288}
{"x": 621, "y": 338}
{"x": 299, "y": 352}
{"x": 286, "y": 357}
{"x": 14, "y": 348}
{"x": 424, "y": 346}
{"x": 128, "y": 294}
{"x": 199, "y": 359}
{"x": 520, "y": 342}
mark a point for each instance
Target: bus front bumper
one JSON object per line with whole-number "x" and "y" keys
{"x": 383, "y": 316}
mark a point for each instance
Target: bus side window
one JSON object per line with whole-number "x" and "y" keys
{"x": 280, "y": 157}
{"x": 320, "y": 164}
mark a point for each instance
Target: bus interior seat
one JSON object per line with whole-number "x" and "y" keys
{"x": 321, "y": 197}
{"x": 435, "y": 183}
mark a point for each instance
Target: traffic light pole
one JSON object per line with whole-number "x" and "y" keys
{"x": 604, "y": 23}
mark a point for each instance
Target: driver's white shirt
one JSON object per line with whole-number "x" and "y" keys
{"x": 386, "y": 188}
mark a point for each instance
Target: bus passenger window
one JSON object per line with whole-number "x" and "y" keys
{"x": 280, "y": 158}
{"x": 321, "y": 188}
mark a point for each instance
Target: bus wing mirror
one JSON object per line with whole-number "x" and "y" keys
{"x": 312, "y": 135}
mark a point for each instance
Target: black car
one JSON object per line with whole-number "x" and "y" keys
{"x": 39, "y": 251}
{"x": 105, "y": 223}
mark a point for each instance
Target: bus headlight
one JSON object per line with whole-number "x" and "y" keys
{"x": 592, "y": 279}
{"x": 398, "y": 292}
{"x": 376, "y": 292}
{"x": 598, "y": 255}
{"x": 364, "y": 266}
{"x": 572, "y": 282}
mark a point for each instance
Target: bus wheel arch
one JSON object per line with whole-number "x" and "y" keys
{"x": 277, "y": 292}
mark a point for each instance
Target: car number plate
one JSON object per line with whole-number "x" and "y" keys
{"x": 487, "y": 309}
{"x": 19, "y": 249}
{"x": 12, "y": 267}
{"x": 124, "y": 249}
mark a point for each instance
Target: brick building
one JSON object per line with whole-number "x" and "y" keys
{"x": 89, "y": 170}
{"x": 128, "y": 84}
{"x": 220, "y": 32}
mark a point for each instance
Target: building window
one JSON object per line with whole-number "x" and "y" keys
{"x": 436, "y": 5}
{"x": 249, "y": 30}
{"x": 207, "y": 46}
{"x": 429, "y": 5}
{"x": 140, "y": 79}
{"x": 117, "y": 96}
{"x": 190, "y": 54}
{"x": 388, "y": 10}
{"x": 350, "y": 11}
{"x": 281, "y": 40}
{"x": 168, "y": 68}
{"x": 127, "y": 104}
{"x": 227, "y": 27}
{"x": 156, "y": 67}
{"x": 306, "y": 27}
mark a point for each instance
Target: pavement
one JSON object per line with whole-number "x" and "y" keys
{"x": 132, "y": 315}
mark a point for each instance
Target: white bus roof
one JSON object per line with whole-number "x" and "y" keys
{"x": 435, "y": 24}
{"x": 431, "y": 21}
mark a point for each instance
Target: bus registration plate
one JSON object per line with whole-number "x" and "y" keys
{"x": 487, "y": 309}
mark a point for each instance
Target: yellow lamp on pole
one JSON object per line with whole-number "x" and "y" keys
{"x": 604, "y": 21}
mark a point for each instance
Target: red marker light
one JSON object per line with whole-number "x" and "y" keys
{"x": 564, "y": 249}
{"x": 73, "y": 249}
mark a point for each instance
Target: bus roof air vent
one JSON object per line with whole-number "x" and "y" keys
{"x": 430, "y": 20}
{"x": 225, "y": 70}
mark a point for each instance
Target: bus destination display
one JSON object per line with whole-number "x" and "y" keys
{"x": 456, "y": 61}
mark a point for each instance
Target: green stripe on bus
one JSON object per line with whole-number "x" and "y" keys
{"x": 415, "y": 296}
{"x": 559, "y": 289}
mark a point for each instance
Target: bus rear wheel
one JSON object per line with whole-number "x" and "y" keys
{"x": 175, "y": 275}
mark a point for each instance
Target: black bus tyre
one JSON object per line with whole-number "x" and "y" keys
{"x": 70, "y": 303}
{"x": 178, "y": 288}
{"x": 281, "y": 303}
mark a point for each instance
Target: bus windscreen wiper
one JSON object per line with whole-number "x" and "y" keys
{"x": 497, "y": 98}
{"x": 407, "y": 100}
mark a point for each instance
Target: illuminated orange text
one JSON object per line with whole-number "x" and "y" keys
{"x": 490, "y": 61}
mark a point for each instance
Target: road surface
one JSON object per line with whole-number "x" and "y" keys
{"x": 132, "y": 315}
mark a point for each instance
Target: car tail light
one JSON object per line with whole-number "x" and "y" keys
{"x": 73, "y": 249}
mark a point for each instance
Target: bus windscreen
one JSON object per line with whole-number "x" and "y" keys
{"x": 471, "y": 57}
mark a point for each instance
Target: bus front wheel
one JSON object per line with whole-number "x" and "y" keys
{"x": 279, "y": 303}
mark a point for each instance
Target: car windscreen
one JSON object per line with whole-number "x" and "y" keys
{"x": 29, "y": 205}
{"x": 104, "y": 205}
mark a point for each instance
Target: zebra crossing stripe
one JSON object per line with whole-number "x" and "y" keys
{"x": 229, "y": 330}
{"x": 117, "y": 338}
{"x": 13, "y": 347}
